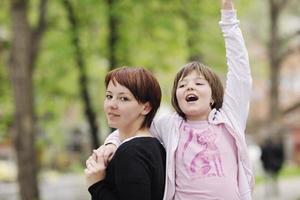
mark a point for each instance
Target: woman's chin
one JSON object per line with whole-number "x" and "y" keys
{"x": 112, "y": 125}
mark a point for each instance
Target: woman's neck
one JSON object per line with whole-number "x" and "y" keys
{"x": 125, "y": 134}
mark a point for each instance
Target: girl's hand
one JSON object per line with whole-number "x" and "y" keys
{"x": 108, "y": 152}
{"x": 95, "y": 167}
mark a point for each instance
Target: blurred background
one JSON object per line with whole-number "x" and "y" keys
{"x": 54, "y": 56}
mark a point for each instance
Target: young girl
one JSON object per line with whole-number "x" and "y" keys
{"x": 137, "y": 171}
{"x": 204, "y": 140}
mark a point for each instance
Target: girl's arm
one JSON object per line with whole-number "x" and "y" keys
{"x": 113, "y": 138}
{"x": 238, "y": 84}
{"x": 158, "y": 129}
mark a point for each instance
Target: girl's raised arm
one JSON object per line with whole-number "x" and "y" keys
{"x": 239, "y": 80}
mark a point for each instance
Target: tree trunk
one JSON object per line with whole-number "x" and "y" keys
{"x": 113, "y": 23}
{"x": 274, "y": 49}
{"x": 193, "y": 27}
{"x": 83, "y": 80}
{"x": 21, "y": 79}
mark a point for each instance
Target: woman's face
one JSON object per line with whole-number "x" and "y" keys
{"x": 194, "y": 96}
{"x": 122, "y": 110}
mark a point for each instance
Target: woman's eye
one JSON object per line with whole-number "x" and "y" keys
{"x": 108, "y": 97}
{"x": 124, "y": 99}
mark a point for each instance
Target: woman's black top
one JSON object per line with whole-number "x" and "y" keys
{"x": 136, "y": 172}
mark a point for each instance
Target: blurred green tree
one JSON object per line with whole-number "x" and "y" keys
{"x": 83, "y": 79}
{"x": 24, "y": 51}
{"x": 278, "y": 52}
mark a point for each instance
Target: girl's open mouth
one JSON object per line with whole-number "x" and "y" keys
{"x": 191, "y": 97}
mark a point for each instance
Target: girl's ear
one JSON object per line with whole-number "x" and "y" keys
{"x": 147, "y": 108}
{"x": 211, "y": 103}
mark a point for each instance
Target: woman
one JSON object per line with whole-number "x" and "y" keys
{"x": 137, "y": 170}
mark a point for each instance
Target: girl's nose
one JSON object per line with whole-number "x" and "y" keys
{"x": 190, "y": 88}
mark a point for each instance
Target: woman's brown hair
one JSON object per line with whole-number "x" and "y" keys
{"x": 142, "y": 84}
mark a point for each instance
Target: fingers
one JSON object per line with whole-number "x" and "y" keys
{"x": 97, "y": 153}
{"x": 87, "y": 172}
{"x": 103, "y": 154}
{"x": 106, "y": 154}
{"x": 95, "y": 167}
{"x": 109, "y": 152}
{"x": 88, "y": 163}
{"x": 100, "y": 153}
{"x": 93, "y": 176}
{"x": 94, "y": 156}
{"x": 110, "y": 157}
{"x": 94, "y": 170}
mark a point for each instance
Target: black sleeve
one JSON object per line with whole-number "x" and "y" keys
{"x": 133, "y": 175}
{"x": 132, "y": 178}
{"x": 100, "y": 190}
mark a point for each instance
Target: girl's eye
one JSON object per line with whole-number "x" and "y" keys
{"x": 124, "y": 99}
{"x": 108, "y": 96}
{"x": 199, "y": 83}
{"x": 180, "y": 85}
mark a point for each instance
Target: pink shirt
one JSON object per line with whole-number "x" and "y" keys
{"x": 206, "y": 163}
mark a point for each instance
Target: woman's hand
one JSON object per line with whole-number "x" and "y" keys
{"x": 95, "y": 167}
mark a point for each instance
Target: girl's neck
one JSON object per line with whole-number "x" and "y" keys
{"x": 197, "y": 118}
{"x": 196, "y": 121}
{"x": 200, "y": 116}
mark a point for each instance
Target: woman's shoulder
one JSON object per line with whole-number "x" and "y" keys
{"x": 140, "y": 146}
{"x": 140, "y": 143}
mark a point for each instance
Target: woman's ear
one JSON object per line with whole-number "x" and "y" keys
{"x": 147, "y": 108}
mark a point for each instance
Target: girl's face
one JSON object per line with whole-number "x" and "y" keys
{"x": 122, "y": 110}
{"x": 194, "y": 96}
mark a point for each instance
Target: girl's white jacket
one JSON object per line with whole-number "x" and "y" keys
{"x": 233, "y": 113}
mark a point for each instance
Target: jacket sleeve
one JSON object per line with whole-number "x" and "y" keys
{"x": 100, "y": 190}
{"x": 132, "y": 179}
{"x": 239, "y": 81}
{"x": 159, "y": 129}
{"x": 113, "y": 138}
{"x": 133, "y": 176}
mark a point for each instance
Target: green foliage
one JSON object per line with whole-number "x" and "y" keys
{"x": 153, "y": 34}
{"x": 4, "y": 11}
{"x": 6, "y": 107}
{"x": 287, "y": 171}
{"x": 290, "y": 171}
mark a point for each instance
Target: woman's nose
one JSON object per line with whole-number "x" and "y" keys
{"x": 113, "y": 103}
